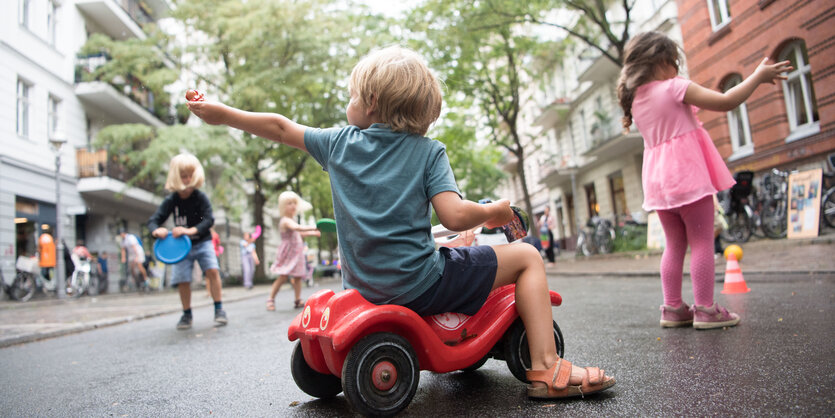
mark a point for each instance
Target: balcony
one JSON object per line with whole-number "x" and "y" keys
{"x": 119, "y": 19}
{"x": 103, "y": 182}
{"x": 554, "y": 114}
{"x": 608, "y": 141}
{"x": 122, "y": 100}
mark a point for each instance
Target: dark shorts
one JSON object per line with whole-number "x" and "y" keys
{"x": 467, "y": 279}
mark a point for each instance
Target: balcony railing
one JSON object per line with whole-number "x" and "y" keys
{"x": 602, "y": 132}
{"x": 85, "y": 71}
{"x": 100, "y": 164}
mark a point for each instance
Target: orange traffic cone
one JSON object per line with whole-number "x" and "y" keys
{"x": 734, "y": 282}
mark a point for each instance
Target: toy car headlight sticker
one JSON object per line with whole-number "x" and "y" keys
{"x": 306, "y": 317}
{"x": 323, "y": 323}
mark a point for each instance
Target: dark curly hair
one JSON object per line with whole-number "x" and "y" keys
{"x": 642, "y": 55}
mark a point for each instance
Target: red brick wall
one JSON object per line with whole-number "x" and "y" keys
{"x": 760, "y": 28}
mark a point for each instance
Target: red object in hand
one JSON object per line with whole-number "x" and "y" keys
{"x": 194, "y": 96}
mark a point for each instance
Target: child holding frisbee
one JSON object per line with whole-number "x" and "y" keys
{"x": 192, "y": 213}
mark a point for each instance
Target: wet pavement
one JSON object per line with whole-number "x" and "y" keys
{"x": 48, "y": 317}
{"x": 131, "y": 360}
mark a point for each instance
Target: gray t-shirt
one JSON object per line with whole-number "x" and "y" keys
{"x": 381, "y": 183}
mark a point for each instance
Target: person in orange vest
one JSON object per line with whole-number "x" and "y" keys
{"x": 46, "y": 254}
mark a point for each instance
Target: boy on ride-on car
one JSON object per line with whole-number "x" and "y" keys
{"x": 384, "y": 175}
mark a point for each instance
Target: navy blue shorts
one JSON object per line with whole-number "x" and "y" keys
{"x": 467, "y": 279}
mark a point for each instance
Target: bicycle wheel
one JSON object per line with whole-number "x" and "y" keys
{"x": 605, "y": 240}
{"x": 774, "y": 222}
{"x": 828, "y": 208}
{"x": 584, "y": 244}
{"x": 739, "y": 226}
{"x": 23, "y": 287}
{"x": 74, "y": 286}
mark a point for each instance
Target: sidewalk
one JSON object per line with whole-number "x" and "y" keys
{"x": 762, "y": 256}
{"x": 22, "y": 322}
{"x": 50, "y": 317}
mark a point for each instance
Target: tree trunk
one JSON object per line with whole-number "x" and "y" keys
{"x": 258, "y": 216}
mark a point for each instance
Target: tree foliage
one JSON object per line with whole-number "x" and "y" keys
{"x": 485, "y": 58}
{"x": 592, "y": 24}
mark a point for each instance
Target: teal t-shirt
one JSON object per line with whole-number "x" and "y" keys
{"x": 381, "y": 183}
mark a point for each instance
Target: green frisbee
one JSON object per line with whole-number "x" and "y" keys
{"x": 326, "y": 225}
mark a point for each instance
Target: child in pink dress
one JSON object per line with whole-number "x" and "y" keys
{"x": 682, "y": 169}
{"x": 290, "y": 258}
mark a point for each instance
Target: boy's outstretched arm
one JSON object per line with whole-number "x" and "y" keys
{"x": 457, "y": 214}
{"x": 271, "y": 126}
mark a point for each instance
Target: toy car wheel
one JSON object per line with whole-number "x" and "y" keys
{"x": 516, "y": 352}
{"x": 310, "y": 381}
{"x": 380, "y": 375}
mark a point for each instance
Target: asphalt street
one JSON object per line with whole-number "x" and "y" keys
{"x": 777, "y": 362}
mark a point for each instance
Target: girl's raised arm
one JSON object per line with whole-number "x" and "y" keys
{"x": 705, "y": 98}
{"x": 271, "y": 126}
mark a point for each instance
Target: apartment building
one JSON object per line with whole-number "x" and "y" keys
{"x": 45, "y": 97}
{"x": 790, "y": 125}
{"x": 588, "y": 166}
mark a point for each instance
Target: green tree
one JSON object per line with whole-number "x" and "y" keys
{"x": 594, "y": 25}
{"x": 487, "y": 61}
{"x": 288, "y": 57}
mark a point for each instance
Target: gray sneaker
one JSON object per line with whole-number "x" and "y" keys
{"x": 709, "y": 317}
{"x": 185, "y": 322}
{"x": 220, "y": 317}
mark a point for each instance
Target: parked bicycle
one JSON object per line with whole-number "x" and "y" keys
{"x": 28, "y": 279}
{"x": 597, "y": 237}
{"x": 82, "y": 280}
{"x": 828, "y": 198}
{"x": 739, "y": 211}
{"x": 774, "y": 209}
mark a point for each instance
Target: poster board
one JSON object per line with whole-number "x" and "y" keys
{"x": 655, "y": 232}
{"x": 804, "y": 203}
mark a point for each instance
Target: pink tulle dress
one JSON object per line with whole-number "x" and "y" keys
{"x": 289, "y": 259}
{"x": 681, "y": 164}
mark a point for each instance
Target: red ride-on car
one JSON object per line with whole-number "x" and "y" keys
{"x": 374, "y": 353}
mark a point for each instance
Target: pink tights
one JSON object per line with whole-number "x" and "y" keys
{"x": 689, "y": 224}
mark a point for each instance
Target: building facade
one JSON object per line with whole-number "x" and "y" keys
{"x": 590, "y": 167}
{"x": 790, "y": 125}
{"x": 45, "y": 96}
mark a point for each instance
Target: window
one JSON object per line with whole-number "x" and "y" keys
{"x": 51, "y": 22}
{"x": 720, "y": 13}
{"x": 53, "y": 105}
{"x": 23, "y": 7}
{"x": 801, "y": 106}
{"x": 740, "y": 129}
{"x": 23, "y": 90}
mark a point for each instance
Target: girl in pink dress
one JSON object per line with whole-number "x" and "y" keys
{"x": 682, "y": 169}
{"x": 290, "y": 258}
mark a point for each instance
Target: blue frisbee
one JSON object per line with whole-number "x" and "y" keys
{"x": 172, "y": 250}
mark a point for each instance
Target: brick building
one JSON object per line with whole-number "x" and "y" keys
{"x": 790, "y": 125}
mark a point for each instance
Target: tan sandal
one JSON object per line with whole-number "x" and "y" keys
{"x": 270, "y": 305}
{"x": 556, "y": 381}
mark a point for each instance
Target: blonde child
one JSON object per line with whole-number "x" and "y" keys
{"x": 290, "y": 258}
{"x": 386, "y": 177}
{"x": 193, "y": 218}
{"x": 682, "y": 169}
